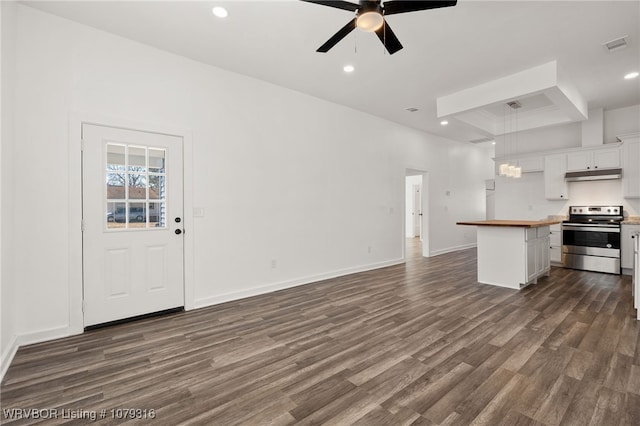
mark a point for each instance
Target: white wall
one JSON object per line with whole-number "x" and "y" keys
{"x": 275, "y": 181}
{"x": 542, "y": 139}
{"x": 621, "y": 121}
{"x": 7, "y": 287}
{"x": 524, "y": 198}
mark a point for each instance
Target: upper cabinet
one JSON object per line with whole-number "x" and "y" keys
{"x": 531, "y": 164}
{"x": 593, "y": 159}
{"x": 631, "y": 167}
{"x": 555, "y": 186}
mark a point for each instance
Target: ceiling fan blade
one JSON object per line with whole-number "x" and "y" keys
{"x": 345, "y": 5}
{"x": 399, "y": 6}
{"x": 389, "y": 39}
{"x": 342, "y": 33}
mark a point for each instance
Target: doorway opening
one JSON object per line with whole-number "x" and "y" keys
{"x": 416, "y": 211}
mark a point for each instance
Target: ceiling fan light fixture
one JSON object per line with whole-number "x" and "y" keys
{"x": 370, "y": 21}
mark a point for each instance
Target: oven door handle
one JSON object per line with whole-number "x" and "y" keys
{"x": 591, "y": 228}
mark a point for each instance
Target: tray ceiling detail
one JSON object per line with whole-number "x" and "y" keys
{"x": 547, "y": 97}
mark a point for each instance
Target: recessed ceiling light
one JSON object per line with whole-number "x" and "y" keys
{"x": 444, "y": 122}
{"x": 631, "y": 75}
{"x": 493, "y": 143}
{"x": 220, "y": 12}
{"x": 348, "y": 68}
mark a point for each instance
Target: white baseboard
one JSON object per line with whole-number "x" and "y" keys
{"x": 29, "y": 339}
{"x": 452, "y": 249}
{"x": 268, "y": 288}
{"x": 7, "y": 356}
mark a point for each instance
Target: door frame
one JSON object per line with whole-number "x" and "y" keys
{"x": 76, "y": 120}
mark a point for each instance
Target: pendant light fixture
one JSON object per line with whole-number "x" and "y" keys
{"x": 506, "y": 168}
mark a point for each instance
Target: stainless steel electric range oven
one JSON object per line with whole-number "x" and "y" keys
{"x": 591, "y": 238}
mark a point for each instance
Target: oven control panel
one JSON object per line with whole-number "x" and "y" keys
{"x": 596, "y": 210}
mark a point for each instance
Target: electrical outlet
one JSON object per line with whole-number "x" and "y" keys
{"x": 274, "y": 263}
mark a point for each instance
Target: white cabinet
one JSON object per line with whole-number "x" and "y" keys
{"x": 531, "y": 164}
{"x": 626, "y": 245}
{"x": 631, "y": 168}
{"x": 512, "y": 256}
{"x": 537, "y": 252}
{"x": 593, "y": 159}
{"x": 555, "y": 187}
{"x": 555, "y": 244}
{"x": 532, "y": 270}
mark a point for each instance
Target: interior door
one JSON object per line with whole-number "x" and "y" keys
{"x": 417, "y": 211}
{"x": 133, "y": 245}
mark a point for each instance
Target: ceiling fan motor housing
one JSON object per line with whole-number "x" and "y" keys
{"x": 369, "y": 16}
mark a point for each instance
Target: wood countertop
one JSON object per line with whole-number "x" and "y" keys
{"x": 512, "y": 223}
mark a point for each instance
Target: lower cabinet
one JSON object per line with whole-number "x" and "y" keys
{"x": 555, "y": 244}
{"x": 626, "y": 246}
{"x": 537, "y": 255}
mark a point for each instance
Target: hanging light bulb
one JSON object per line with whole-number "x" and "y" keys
{"x": 518, "y": 172}
{"x": 512, "y": 171}
{"x": 504, "y": 169}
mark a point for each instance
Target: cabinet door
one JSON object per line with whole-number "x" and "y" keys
{"x": 532, "y": 270}
{"x": 544, "y": 254}
{"x": 578, "y": 161}
{"x": 606, "y": 159}
{"x": 626, "y": 245}
{"x": 631, "y": 168}
{"x": 555, "y": 187}
{"x": 532, "y": 164}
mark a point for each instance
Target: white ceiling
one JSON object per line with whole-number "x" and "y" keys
{"x": 445, "y": 50}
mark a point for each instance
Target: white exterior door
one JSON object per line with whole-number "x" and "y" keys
{"x": 132, "y": 223}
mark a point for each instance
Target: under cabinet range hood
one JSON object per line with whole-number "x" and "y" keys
{"x": 596, "y": 174}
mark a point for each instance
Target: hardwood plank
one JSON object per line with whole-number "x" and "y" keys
{"x": 419, "y": 343}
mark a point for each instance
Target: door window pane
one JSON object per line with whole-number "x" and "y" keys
{"x": 157, "y": 215}
{"x": 156, "y": 187}
{"x": 135, "y": 187}
{"x": 137, "y": 215}
{"x": 137, "y": 159}
{"x": 115, "y": 157}
{"x": 156, "y": 160}
{"x": 116, "y": 215}
{"x": 115, "y": 186}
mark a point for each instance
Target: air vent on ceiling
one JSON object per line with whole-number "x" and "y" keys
{"x": 514, "y": 104}
{"x": 412, "y": 109}
{"x": 482, "y": 140}
{"x": 617, "y": 44}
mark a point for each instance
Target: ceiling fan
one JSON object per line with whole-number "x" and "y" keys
{"x": 370, "y": 18}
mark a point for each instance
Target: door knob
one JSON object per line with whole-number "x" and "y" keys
{"x": 178, "y": 231}
{"x": 177, "y": 219}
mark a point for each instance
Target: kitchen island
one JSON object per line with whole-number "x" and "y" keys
{"x": 512, "y": 253}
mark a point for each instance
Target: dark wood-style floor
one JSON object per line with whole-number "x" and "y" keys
{"x": 414, "y": 344}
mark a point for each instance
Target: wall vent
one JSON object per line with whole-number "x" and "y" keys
{"x": 617, "y": 44}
